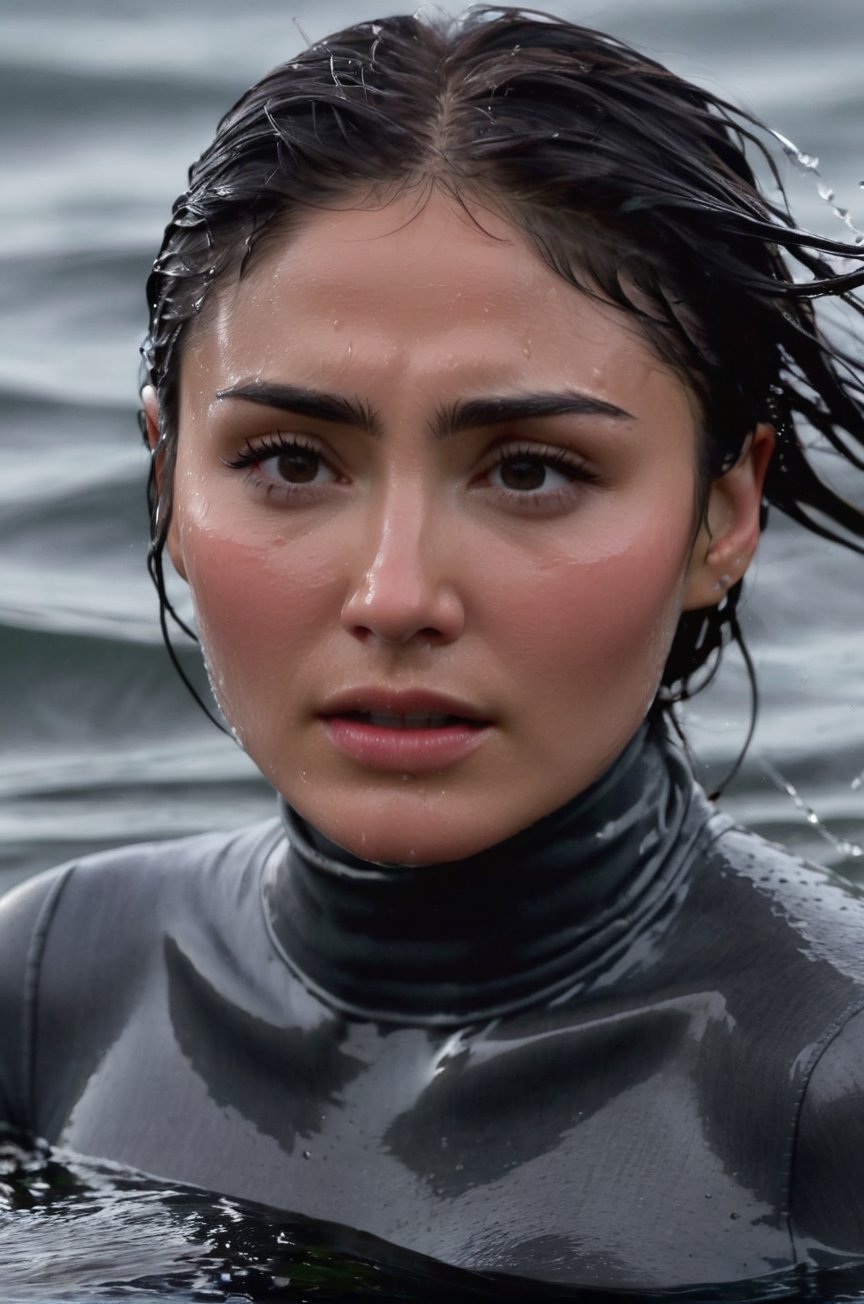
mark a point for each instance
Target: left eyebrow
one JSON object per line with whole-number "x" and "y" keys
{"x": 496, "y": 411}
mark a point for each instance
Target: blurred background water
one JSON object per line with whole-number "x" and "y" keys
{"x": 104, "y": 103}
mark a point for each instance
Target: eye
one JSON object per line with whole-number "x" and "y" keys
{"x": 537, "y": 472}
{"x": 294, "y": 464}
{"x": 524, "y": 473}
{"x": 285, "y": 462}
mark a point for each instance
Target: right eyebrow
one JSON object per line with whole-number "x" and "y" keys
{"x": 304, "y": 402}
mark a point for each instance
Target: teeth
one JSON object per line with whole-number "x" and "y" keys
{"x": 411, "y": 720}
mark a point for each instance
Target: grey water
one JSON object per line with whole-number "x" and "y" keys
{"x": 79, "y": 1231}
{"x": 103, "y": 105}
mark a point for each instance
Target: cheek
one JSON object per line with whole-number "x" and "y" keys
{"x": 258, "y": 608}
{"x": 599, "y": 622}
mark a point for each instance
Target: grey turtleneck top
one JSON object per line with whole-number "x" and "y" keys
{"x": 623, "y": 1048}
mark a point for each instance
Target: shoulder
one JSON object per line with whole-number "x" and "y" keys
{"x": 25, "y": 919}
{"x": 826, "y": 1197}
{"x": 174, "y": 866}
{"x": 812, "y": 913}
{"x": 63, "y": 932}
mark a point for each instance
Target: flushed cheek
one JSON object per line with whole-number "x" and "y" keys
{"x": 259, "y": 609}
{"x": 596, "y": 631}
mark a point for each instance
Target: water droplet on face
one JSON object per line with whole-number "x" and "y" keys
{"x": 307, "y": 1154}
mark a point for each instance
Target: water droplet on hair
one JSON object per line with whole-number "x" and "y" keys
{"x": 825, "y": 192}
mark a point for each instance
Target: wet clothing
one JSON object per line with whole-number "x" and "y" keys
{"x": 625, "y": 1047}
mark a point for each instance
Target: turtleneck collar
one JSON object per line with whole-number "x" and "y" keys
{"x": 522, "y": 921}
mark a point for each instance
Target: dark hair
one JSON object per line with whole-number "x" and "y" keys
{"x": 633, "y": 185}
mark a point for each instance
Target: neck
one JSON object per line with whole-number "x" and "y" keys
{"x": 534, "y": 917}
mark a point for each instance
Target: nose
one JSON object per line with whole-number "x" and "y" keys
{"x": 404, "y": 587}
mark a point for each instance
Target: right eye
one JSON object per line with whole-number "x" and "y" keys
{"x": 283, "y": 462}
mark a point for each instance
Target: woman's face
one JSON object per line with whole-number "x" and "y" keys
{"x": 437, "y": 511}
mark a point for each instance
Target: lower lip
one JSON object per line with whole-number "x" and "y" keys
{"x": 406, "y": 750}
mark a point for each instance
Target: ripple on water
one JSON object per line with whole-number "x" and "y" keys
{"x": 78, "y": 1231}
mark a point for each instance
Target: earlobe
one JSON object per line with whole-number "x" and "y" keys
{"x": 729, "y": 532}
{"x": 153, "y": 434}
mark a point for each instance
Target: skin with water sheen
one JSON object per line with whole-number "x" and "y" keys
{"x": 378, "y": 544}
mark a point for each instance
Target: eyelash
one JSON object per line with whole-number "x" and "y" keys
{"x": 559, "y": 459}
{"x": 275, "y": 445}
{"x": 270, "y": 446}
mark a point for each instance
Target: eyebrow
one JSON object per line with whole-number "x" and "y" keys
{"x": 496, "y": 411}
{"x": 468, "y": 414}
{"x": 305, "y": 402}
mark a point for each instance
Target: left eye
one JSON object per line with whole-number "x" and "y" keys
{"x": 528, "y": 472}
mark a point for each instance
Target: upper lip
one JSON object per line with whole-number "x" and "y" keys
{"x": 407, "y": 701}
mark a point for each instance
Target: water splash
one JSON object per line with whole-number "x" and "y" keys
{"x": 809, "y": 165}
{"x": 845, "y": 847}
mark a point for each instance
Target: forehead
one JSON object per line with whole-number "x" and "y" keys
{"x": 420, "y": 290}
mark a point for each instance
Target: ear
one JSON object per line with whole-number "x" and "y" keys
{"x": 729, "y": 531}
{"x": 153, "y": 432}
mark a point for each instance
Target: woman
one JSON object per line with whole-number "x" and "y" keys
{"x": 473, "y": 358}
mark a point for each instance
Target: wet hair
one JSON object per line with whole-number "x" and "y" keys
{"x": 632, "y": 183}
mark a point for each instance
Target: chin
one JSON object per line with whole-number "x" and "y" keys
{"x": 422, "y": 849}
{"x": 382, "y": 830}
